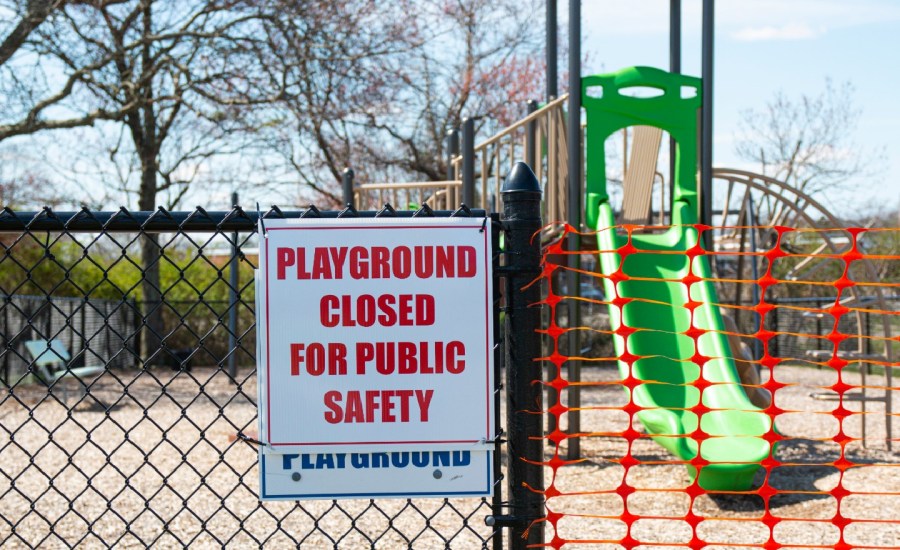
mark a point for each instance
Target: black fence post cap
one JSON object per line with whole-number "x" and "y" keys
{"x": 521, "y": 180}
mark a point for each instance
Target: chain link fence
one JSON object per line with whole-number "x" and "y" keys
{"x": 96, "y": 331}
{"x": 153, "y": 449}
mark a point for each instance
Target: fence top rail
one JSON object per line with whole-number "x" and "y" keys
{"x": 199, "y": 220}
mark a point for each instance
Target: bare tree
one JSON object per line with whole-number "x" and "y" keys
{"x": 389, "y": 81}
{"x": 362, "y": 83}
{"x": 170, "y": 79}
{"x": 28, "y": 191}
{"x": 477, "y": 59}
{"x": 28, "y": 16}
{"x": 331, "y": 66}
{"x": 807, "y": 142}
{"x": 175, "y": 87}
{"x": 33, "y": 98}
{"x": 880, "y": 243}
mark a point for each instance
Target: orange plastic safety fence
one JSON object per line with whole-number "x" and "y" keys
{"x": 833, "y": 478}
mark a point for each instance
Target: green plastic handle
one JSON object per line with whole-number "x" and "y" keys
{"x": 674, "y": 110}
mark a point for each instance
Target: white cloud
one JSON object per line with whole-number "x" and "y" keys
{"x": 793, "y": 31}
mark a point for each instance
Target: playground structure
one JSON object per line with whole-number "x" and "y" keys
{"x": 748, "y": 208}
{"x": 759, "y": 227}
{"x": 539, "y": 139}
{"x": 704, "y": 415}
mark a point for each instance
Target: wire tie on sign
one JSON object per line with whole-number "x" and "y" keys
{"x": 249, "y": 439}
{"x": 262, "y": 222}
{"x": 483, "y": 225}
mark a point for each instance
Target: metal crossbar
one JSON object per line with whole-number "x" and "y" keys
{"x": 168, "y": 460}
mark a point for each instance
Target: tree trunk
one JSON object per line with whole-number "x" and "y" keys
{"x": 144, "y": 131}
{"x": 153, "y": 330}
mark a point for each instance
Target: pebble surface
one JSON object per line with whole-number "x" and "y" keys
{"x": 165, "y": 469}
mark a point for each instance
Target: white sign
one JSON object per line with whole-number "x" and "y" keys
{"x": 396, "y": 474}
{"x": 376, "y": 335}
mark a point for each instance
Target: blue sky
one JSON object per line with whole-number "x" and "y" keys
{"x": 763, "y": 46}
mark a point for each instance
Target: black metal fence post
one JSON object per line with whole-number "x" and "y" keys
{"x": 522, "y": 217}
{"x": 551, "y": 50}
{"x": 706, "y": 119}
{"x": 574, "y": 202}
{"x": 233, "y": 298}
{"x": 452, "y": 152}
{"x": 531, "y": 136}
{"x": 468, "y": 162}
{"x": 347, "y": 183}
{"x": 675, "y": 68}
{"x": 497, "y": 502}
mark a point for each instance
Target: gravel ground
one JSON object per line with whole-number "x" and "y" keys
{"x": 164, "y": 469}
{"x": 804, "y": 507}
{"x": 149, "y": 474}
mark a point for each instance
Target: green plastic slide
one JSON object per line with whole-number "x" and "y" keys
{"x": 657, "y": 306}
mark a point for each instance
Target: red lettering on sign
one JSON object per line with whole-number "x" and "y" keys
{"x": 296, "y": 358}
{"x": 404, "y": 404}
{"x": 411, "y": 358}
{"x": 354, "y": 411}
{"x": 379, "y": 262}
{"x": 338, "y": 255}
{"x": 367, "y": 310}
{"x": 319, "y": 358}
{"x": 466, "y": 262}
{"x": 444, "y": 261}
{"x": 327, "y": 317}
{"x": 359, "y": 268}
{"x": 380, "y": 267}
{"x": 402, "y": 262}
{"x": 321, "y": 264}
{"x": 406, "y": 310}
{"x": 424, "y": 263}
{"x": 365, "y": 352}
{"x": 424, "y": 399}
{"x": 406, "y": 358}
{"x": 388, "y": 316}
{"x": 384, "y": 357}
{"x": 386, "y": 415}
{"x": 334, "y": 414}
{"x": 370, "y": 406}
{"x": 285, "y": 258}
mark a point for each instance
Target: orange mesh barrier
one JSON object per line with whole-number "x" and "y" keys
{"x": 817, "y": 322}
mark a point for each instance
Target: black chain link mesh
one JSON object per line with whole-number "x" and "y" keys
{"x": 121, "y": 446}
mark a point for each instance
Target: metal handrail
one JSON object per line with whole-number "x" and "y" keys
{"x": 542, "y": 131}
{"x": 540, "y": 113}
{"x": 444, "y": 195}
{"x": 409, "y": 185}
